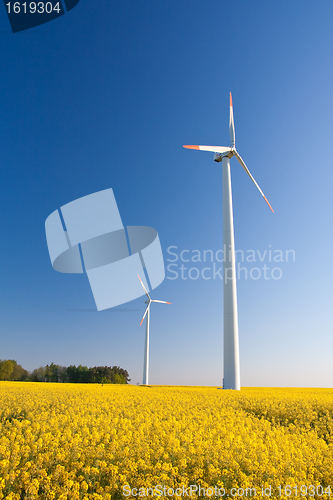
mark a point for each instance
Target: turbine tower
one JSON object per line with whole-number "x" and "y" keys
{"x": 146, "y": 353}
{"x": 231, "y": 378}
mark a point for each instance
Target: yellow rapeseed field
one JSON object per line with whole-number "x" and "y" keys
{"x": 71, "y": 441}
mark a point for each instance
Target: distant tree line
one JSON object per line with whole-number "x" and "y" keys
{"x": 10, "y": 370}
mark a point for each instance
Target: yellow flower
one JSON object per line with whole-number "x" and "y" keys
{"x": 76, "y": 443}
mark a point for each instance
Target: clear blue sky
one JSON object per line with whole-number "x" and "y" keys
{"x": 105, "y": 97}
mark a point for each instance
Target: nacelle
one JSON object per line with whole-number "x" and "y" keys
{"x": 218, "y": 157}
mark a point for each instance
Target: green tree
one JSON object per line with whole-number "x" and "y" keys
{"x": 6, "y": 369}
{"x": 119, "y": 379}
{"x": 62, "y": 374}
{"x": 78, "y": 374}
{"x": 19, "y": 373}
{"x": 38, "y": 375}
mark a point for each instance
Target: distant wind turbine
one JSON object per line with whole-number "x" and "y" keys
{"x": 147, "y": 313}
{"x": 230, "y": 332}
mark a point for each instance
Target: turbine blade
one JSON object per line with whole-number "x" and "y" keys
{"x": 241, "y": 161}
{"x": 162, "y": 301}
{"x": 232, "y": 125}
{"x": 213, "y": 149}
{"x": 145, "y": 313}
{"x": 144, "y": 287}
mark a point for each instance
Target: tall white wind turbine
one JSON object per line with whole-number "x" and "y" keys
{"x": 146, "y": 353}
{"x": 230, "y": 331}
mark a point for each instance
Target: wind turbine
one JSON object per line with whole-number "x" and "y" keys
{"x": 147, "y": 313}
{"x": 230, "y": 328}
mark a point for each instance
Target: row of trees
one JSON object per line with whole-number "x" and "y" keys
{"x": 10, "y": 370}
